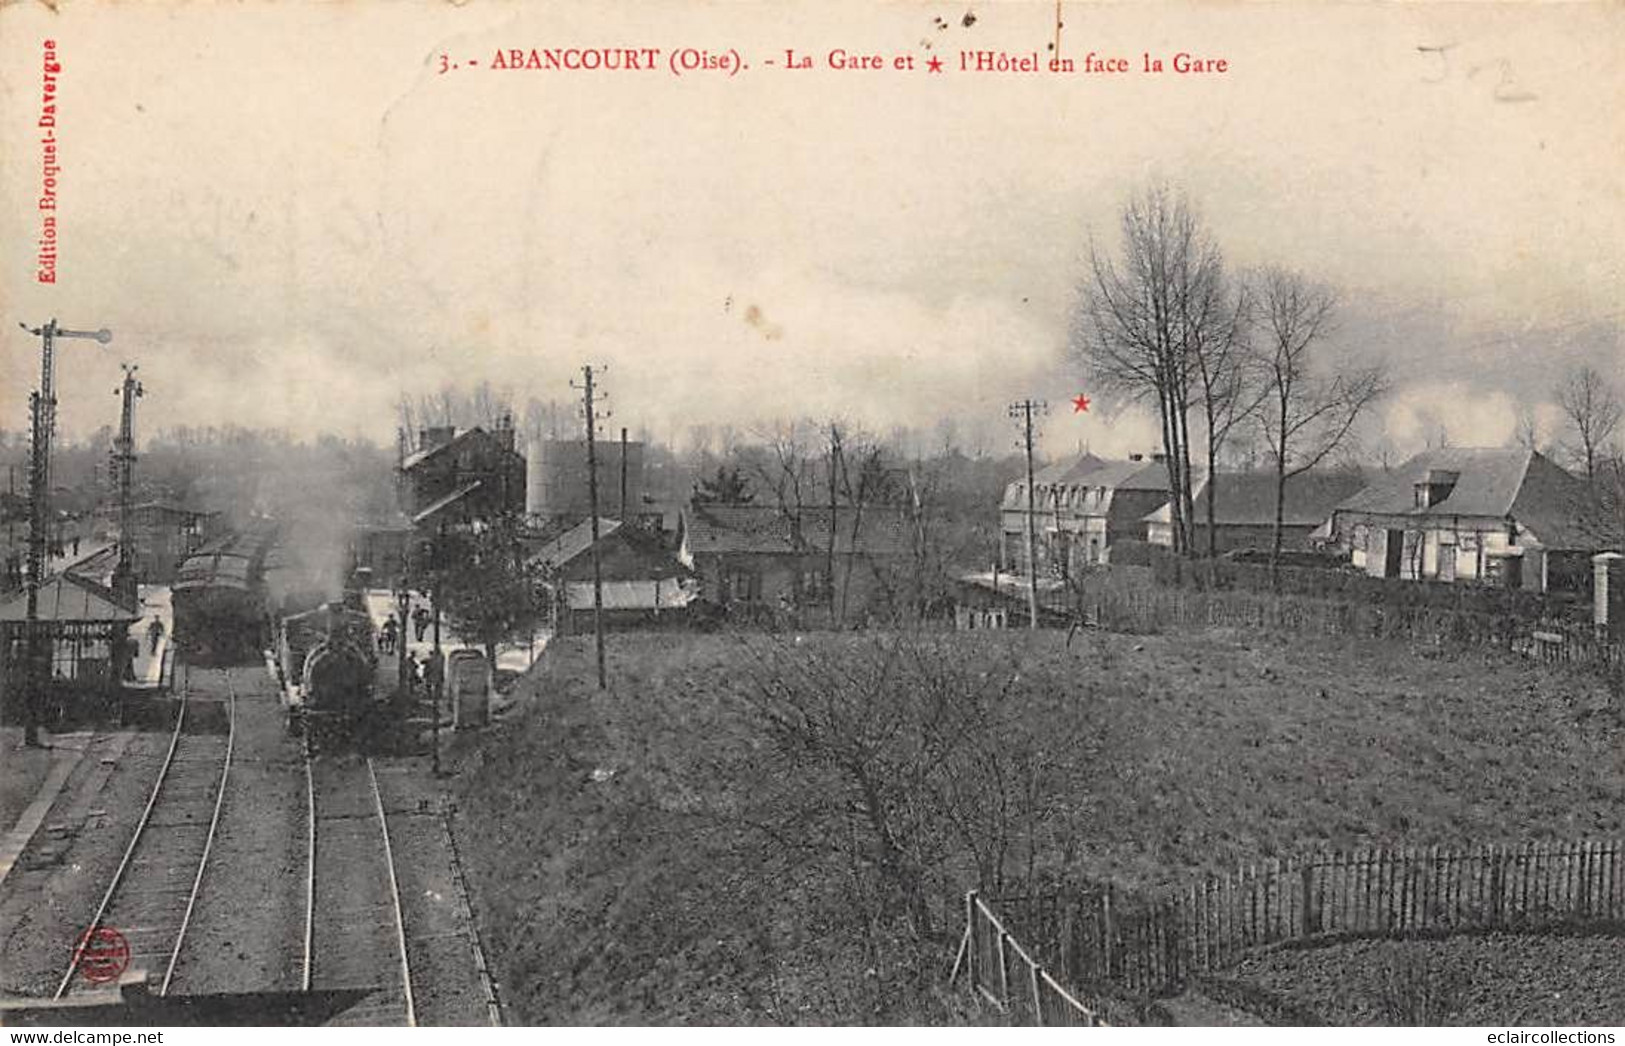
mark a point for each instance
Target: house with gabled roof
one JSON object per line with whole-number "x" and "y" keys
{"x": 1504, "y": 516}
{"x": 640, "y": 579}
{"x": 1244, "y": 509}
{"x": 771, "y": 557}
{"x": 1080, "y": 507}
{"x": 460, "y": 477}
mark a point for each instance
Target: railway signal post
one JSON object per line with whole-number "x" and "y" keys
{"x": 124, "y": 579}
{"x": 43, "y": 420}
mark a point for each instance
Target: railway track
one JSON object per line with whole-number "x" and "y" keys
{"x": 355, "y": 929}
{"x": 154, "y": 891}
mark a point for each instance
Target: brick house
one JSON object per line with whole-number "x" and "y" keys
{"x": 460, "y": 477}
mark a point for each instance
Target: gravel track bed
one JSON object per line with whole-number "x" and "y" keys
{"x": 150, "y": 902}
{"x": 54, "y": 888}
{"x": 355, "y": 939}
{"x": 1468, "y": 979}
{"x": 247, "y": 931}
{"x": 445, "y": 978}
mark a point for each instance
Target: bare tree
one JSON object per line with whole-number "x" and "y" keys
{"x": 1593, "y": 408}
{"x": 1305, "y": 415}
{"x": 1227, "y": 382}
{"x": 1528, "y": 432}
{"x": 1144, "y": 319}
{"x": 406, "y": 418}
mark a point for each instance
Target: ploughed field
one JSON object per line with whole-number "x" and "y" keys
{"x": 779, "y": 829}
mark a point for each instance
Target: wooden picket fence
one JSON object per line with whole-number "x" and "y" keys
{"x": 1154, "y": 946}
{"x": 1001, "y": 972}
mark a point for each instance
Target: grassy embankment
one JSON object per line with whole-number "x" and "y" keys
{"x": 732, "y": 833}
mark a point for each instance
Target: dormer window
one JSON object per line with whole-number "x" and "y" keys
{"x": 1437, "y": 485}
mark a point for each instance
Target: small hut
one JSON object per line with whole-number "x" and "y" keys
{"x": 84, "y": 642}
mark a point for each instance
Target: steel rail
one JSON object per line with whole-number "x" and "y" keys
{"x": 395, "y": 895}
{"x": 129, "y": 851}
{"x": 208, "y": 842}
{"x": 310, "y": 870}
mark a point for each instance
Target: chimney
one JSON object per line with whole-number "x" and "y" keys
{"x": 436, "y": 436}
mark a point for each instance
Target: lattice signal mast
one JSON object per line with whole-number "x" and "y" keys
{"x": 43, "y": 416}
{"x": 124, "y": 579}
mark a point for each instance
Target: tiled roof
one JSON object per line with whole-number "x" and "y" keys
{"x": 1069, "y": 471}
{"x": 1560, "y": 509}
{"x": 1487, "y": 483}
{"x": 437, "y": 507}
{"x": 1248, "y": 498}
{"x": 416, "y": 458}
{"x": 1090, "y": 471}
{"x": 572, "y": 543}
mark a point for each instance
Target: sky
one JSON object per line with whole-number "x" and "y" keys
{"x": 289, "y": 216}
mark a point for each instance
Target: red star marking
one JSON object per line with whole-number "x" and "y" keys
{"x": 935, "y": 64}
{"x": 1080, "y": 403}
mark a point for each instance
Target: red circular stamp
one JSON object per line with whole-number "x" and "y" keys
{"x": 102, "y": 955}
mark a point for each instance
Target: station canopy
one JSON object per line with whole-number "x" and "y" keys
{"x": 68, "y": 600}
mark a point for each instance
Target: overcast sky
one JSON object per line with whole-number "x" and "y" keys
{"x": 287, "y": 216}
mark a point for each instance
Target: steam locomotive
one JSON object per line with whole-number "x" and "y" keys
{"x": 327, "y": 660}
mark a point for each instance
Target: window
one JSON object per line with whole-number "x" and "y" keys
{"x": 741, "y": 586}
{"x": 813, "y": 586}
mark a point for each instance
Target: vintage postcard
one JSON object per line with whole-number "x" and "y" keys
{"x": 812, "y": 513}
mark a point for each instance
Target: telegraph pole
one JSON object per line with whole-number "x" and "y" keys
{"x": 589, "y": 408}
{"x": 43, "y": 417}
{"x": 623, "y": 475}
{"x": 124, "y": 579}
{"x": 440, "y": 566}
{"x": 1025, "y": 410}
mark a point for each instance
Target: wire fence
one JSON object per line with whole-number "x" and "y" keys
{"x": 1000, "y": 971}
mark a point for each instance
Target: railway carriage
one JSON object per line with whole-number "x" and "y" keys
{"x": 219, "y": 599}
{"x": 219, "y": 609}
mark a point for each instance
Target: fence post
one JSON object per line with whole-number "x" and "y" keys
{"x": 1311, "y": 911}
{"x": 1038, "y": 1002}
{"x": 1004, "y": 970}
{"x": 1108, "y": 938}
{"x": 970, "y": 952}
